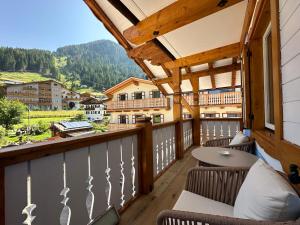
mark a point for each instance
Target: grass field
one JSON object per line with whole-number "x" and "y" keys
{"x": 52, "y": 114}
{"x": 21, "y": 76}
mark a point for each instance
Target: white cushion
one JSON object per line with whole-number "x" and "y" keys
{"x": 239, "y": 138}
{"x": 266, "y": 195}
{"x": 191, "y": 202}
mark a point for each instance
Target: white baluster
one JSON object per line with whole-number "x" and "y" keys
{"x": 90, "y": 196}
{"x": 207, "y": 132}
{"x": 229, "y": 130}
{"x": 201, "y": 135}
{"x": 30, "y": 207}
{"x": 132, "y": 170}
{"x": 237, "y": 129}
{"x": 65, "y": 215}
{"x": 108, "y": 185}
{"x": 221, "y": 131}
{"x": 167, "y": 151}
{"x": 122, "y": 178}
{"x": 214, "y": 131}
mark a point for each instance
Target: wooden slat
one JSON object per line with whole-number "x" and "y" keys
{"x": 203, "y": 73}
{"x": 178, "y": 14}
{"x": 212, "y": 75}
{"x": 247, "y": 21}
{"x": 213, "y": 55}
{"x": 233, "y": 76}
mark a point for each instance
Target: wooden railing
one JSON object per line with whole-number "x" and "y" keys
{"x": 219, "y": 128}
{"x": 225, "y": 98}
{"x": 187, "y": 134}
{"x": 139, "y": 104}
{"x": 71, "y": 181}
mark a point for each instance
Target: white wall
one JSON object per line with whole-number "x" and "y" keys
{"x": 290, "y": 65}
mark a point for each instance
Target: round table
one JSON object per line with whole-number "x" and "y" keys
{"x": 210, "y": 156}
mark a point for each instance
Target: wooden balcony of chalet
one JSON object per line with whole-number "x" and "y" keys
{"x": 88, "y": 174}
{"x": 147, "y": 103}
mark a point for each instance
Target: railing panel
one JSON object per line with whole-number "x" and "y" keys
{"x": 216, "y": 128}
{"x": 163, "y": 148}
{"x": 98, "y": 154}
{"x": 15, "y": 193}
{"x": 45, "y": 190}
{"x": 72, "y": 187}
{"x": 187, "y": 134}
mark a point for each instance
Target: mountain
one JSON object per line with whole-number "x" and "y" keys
{"x": 97, "y": 65}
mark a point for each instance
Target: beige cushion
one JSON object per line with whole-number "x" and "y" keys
{"x": 191, "y": 202}
{"x": 266, "y": 195}
{"x": 239, "y": 138}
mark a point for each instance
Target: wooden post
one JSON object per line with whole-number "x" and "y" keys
{"x": 177, "y": 113}
{"x": 196, "y": 111}
{"x": 145, "y": 145}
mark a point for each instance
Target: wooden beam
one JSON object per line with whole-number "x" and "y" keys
{"x": 187, "y": 105}
{"x": 100, "y": 14}
{"x": 247, "y": 21}
{"x": 176, "y": 15}
{"x": 203, "y": 73}
{"x": 233, "y": 76}
{"x": 213, "y": 55}
{"x": 196, "y": 111}
{"x": 212, "y": 75}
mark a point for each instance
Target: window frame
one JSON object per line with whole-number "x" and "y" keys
{"x": 267, "y": 32}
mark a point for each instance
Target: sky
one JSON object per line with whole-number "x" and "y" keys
{"x": 48, "y": 24}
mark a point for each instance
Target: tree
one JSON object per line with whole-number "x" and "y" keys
{"x": 10, "y": 112}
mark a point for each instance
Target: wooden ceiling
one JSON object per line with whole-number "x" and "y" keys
{"x": 144, "y": 33}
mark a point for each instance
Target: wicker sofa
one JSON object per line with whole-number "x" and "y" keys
{"x": 224, "y": 142}
{"x": 220, "y": 184}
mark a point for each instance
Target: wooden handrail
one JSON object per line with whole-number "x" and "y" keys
{"x": 161, "y": 125}
{"x": 17, "y": 154}
{"x": 222, "y": 119}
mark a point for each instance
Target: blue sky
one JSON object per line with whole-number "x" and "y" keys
{"x": 48, "y": 24}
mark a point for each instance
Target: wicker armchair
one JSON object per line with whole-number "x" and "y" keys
{"x": 224, "y": 142}
{"x": 217, "y": 183}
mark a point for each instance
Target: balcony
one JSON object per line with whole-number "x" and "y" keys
{"x": 148, "y": 103}
{"x": 220, "y": 99}
{"x": 78, "y": 178}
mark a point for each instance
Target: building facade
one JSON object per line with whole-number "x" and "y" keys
{"x": 43, "y": 95}
{"x": 134, "y": 98}
{"x": 94, "y": 109}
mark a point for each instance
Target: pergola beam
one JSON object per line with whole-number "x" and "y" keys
{"x": 212, "y": 75}
{"x": 100, "y": 15}
{"x": 233, "y": 76}
{"x": 172, "y": 17}
{"x": 203, "y": 73}
{"x": 228, "y": 51}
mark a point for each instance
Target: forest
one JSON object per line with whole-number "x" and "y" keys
{"x": 99, "y": 64}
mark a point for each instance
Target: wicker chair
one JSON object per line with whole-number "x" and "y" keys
{"x": 224, "y": 142}
{"x": 217, "y": 183}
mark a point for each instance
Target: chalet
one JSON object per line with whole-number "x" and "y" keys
{"x": 249, "y": 166}
{"x": 134, "y": 98}
{"x": 94, "y": 109}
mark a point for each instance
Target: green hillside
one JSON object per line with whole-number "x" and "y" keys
{"x": 92, "y": 66}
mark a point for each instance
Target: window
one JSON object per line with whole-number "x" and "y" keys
{"x": 155, "y": 94}
{"x": 268, "y": 79}
{"x": 210, "y": 115}
{"x": 123, "y": 119}
{"x": 123, "y": 97}
{"x": 134, "y": 117}
{"x": 158, "y": 118}
{"x": 231, "y": 115}
{"x": 138, "y": 95}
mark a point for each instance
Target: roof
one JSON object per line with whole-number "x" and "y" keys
{"x": 125, "y": 83}
{"x": 35, "y": 82}
{"x": 72, "y": 126}
{"x": 217, "y": 27}
{"x": 91, "y": 100}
